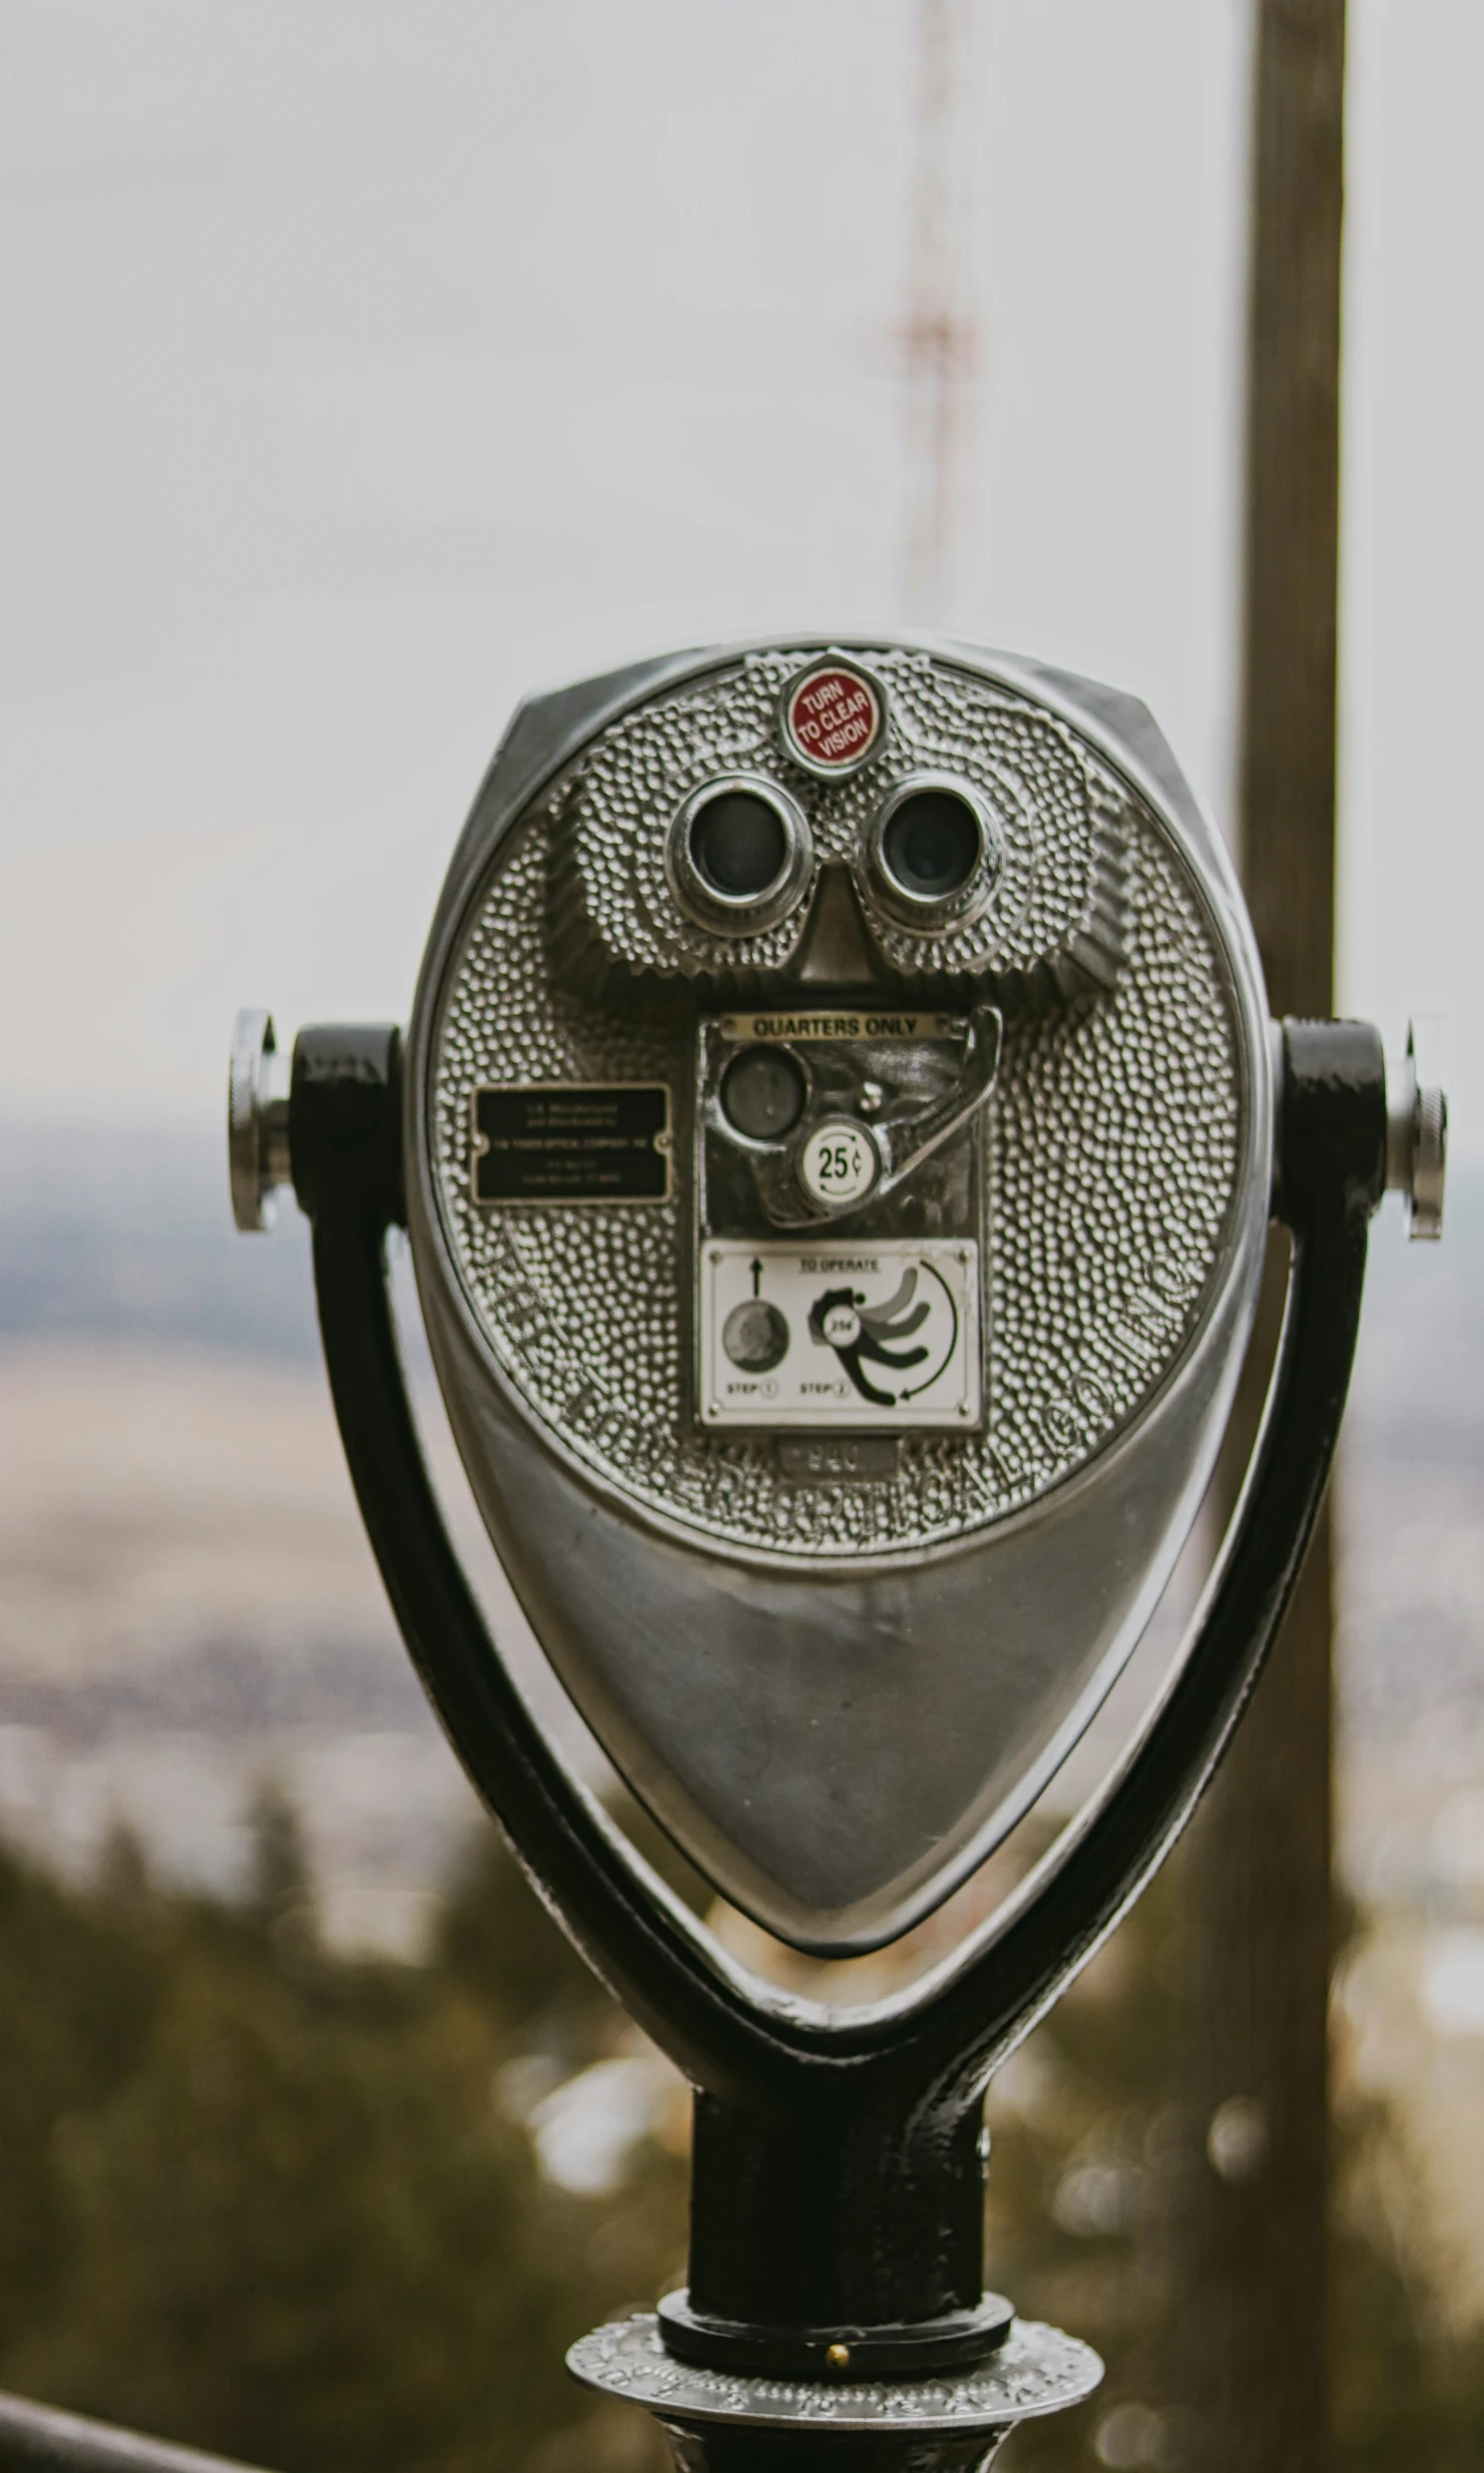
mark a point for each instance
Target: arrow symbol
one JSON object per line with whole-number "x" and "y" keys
{"x": 757, "y": 1277}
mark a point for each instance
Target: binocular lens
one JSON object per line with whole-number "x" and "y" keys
{"x": 931, "y": 846}
{"x": 739, "y": 844}
{"x": 762, "y": 1094}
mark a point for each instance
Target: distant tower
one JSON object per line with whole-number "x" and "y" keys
{"x": 938, "y": 337}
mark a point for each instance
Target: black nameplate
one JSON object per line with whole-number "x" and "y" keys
{"x": 572, "y": 1143}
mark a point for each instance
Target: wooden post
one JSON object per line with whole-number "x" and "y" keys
{"x": 1248, "y": 2323}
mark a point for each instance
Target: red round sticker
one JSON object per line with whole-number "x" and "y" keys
{"x": 831, "y": 719}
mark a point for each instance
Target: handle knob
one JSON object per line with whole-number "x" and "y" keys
{"x": 1417, "y": 1128}
{"x": 258, "y": 1160}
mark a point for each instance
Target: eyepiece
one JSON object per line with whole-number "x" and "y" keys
{"x": 739, "y": 844}
{"x": 739, "y": 854}
{"x": 931, "y": 846}
{"x": 932, "y": 853}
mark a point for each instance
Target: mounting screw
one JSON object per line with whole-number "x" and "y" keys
{"x": 258, "y": 1155}
{"x": 1417, "y": 1128}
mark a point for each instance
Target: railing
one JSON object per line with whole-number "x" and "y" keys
{"x": 35, "y": 2438}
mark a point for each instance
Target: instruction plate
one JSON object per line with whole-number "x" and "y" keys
{"x": 871, "y": 1336}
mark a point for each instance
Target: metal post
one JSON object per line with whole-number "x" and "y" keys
{"x": 1252, "y": 2233}
{"x": 36, "y": 2438}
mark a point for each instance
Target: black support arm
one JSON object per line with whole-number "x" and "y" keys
{"x": 837, "y": 2183}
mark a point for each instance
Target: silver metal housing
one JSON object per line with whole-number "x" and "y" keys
{"x": 839, "y": 1691}
{"x": 1037, "y": 2370}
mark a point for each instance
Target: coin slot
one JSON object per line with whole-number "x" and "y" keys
{"x": 762, "y": 1094}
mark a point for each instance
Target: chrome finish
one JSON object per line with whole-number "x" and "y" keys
{"x": 1417, "y": 1129}
{"x": 837, "y": 1745}
{"x": 601, "y": 1360}
{"x": 904, "y": 1116}
{"x": 747, "y": 914}
{"x": 1054, "y": 922}
{"x": 258, "y": 1160}
{"x": 839, "y": 1698}
{"x": 1275, "y": 1075}
{"x": 930, "y": 916}
{"x": 1036, "y": 2370}
{"x": 907, "y": 1146}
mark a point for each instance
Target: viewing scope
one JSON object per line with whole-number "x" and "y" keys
{"x": 837, "y": 1132}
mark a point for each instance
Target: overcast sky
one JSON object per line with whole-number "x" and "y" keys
{"x": 368, "y": 366}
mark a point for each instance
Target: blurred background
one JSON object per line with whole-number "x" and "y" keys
{"x": 366, "y": 369}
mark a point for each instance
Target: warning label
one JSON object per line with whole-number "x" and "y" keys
{"x": 832, "y": 718}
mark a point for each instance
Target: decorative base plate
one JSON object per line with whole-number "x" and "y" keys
{"x": 1036, "y": 2370}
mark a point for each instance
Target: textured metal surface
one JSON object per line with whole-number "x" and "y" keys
{"x": 1113, "y": 1134}
{"x": 838, "y": 1696}
{"x": 1037, "y": 2370}
{"x": 1056, "y": 898}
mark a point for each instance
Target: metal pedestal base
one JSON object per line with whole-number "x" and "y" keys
{"x": 719, "y": 2422}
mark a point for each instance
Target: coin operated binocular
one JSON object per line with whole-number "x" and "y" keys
{"x": 837, "y": 1134}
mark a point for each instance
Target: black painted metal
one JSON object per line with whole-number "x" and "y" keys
{"x": 836, "y": 2176}
{"x": 36, "y": 2438}
{"x": 931, "y": 2347}
{"x": 711, "y": 2447}
{"x": 345, "y": 1120}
